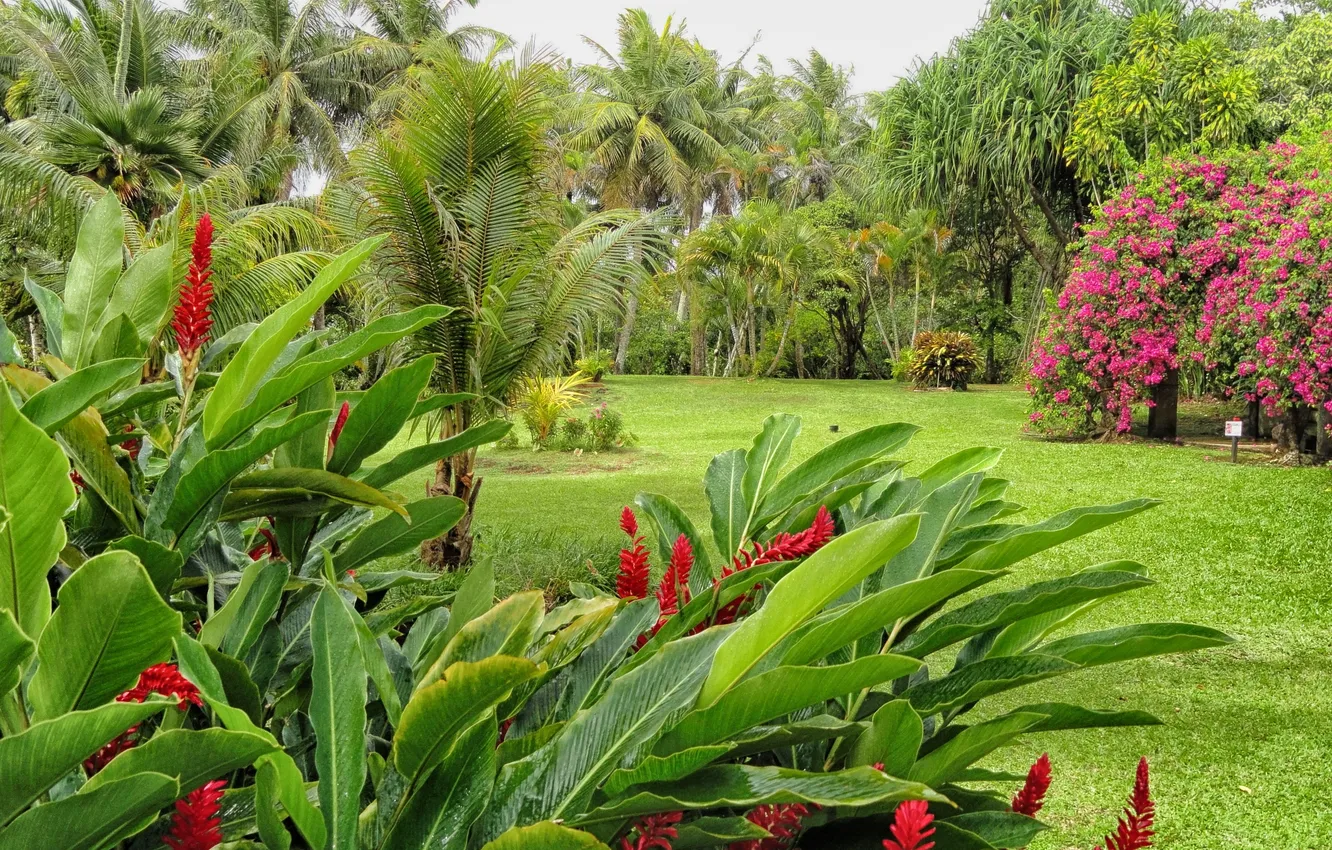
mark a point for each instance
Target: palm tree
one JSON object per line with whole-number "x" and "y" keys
{"x": 820, "y": 127}
{"x": 455, "y": 183}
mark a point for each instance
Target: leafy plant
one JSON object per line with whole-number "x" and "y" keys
{"x": 606, "y": 428}
{"x": 942, "y": 359}
{"x": 596, "y": 364}
{"x": 542, "y": 401}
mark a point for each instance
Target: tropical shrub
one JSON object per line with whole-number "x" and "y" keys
{"x": 596, "y": 364}
{"x": 542, "y": 401}
{"x": 942, "y": 359}
{"x": 606, "y": 429}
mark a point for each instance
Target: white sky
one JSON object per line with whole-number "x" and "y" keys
{"x": 882, "y": 39}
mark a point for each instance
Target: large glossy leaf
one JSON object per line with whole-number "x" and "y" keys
{"x": 724, "y": 485}
{"x": 670, "y": 522}
{"x": 215, "y": 629}
{"x": 764, "y": 462}
{"x": 744, "y": 786}
{"x": 319, "y": 364}
{"x": 9, "y": 347}
{"x": 192, "y": 757}
{"x": 392, "y": 535}
{"x": 55, "y": 405}
{"x": 15, "y": 650}
{"x": 441, "y": 812}
{"x": 256, "y": 608}
{"x": 668, "y": 768}
{"x": 996, "y": 829}
{"x": 544, "y": 836}
{"x": 1024, "y": 634}
{"x": 35, "y": 492}
{"x": 941, "y": 510}
{"x": 414, "y": 458}
{"x": 111, "y": 625}
{"x": 835, "y": 461}
{"x": 248, "y": 489}
{"x": 84, "y": 821}
{"x": 475, "y": 597}
{"x": 1029, "y": 539}
{"x": 376, "y": 664}
{"x": 337, "y": 714}
{"x": 266, "y": 799}
{"x": 842, "y": 625}
{"x": 261, "y": 348}
{"x": 1129, "y": 642}
{"x": 380, "y": 414}
{"x": 821, "y": 578}
{"x": 559, "y": 780}
{"x": 506, "y": 629}
{"x": 983, "y": 678}
{"x": 52, "y": 311}
{"x": 892, "y": 739}
{"x": 708, "y": 833}
{"x": 948, "y": 761}
{"x": 1000, "y": 609}
{"x": 966, "y": 462}
{"x": 1060, "y": 716}
{"x": 143, "y": 293}
{"x": 781, "y": 691}
{"x": 91, "y": 278}
{"x": 36, "y": 758}
{"x": 820, "y": 727}
{"x": 163, "y": 564}
{"x": 439, "y": 712}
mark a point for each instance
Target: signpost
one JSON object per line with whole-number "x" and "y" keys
{"x": 1234, "y": 430}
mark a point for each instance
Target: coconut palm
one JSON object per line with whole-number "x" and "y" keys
{"x": 456, "y": 186}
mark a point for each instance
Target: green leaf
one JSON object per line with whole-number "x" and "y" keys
{"x": 413, "y": 459}
{"x": 438, "y": 712}
{"x": 975, "y": 742}
{"x": 764, "y": 462}
{"x": 9, "y": 345}
{"x": 1000, "y": 609}
{"x": 110, "y": 626}
{"x": 261, "y": 348}
{"x": 744, "y": 786}
{"x": 240, "y": 689}
{"x": 998, "y": 829}
{"x": 965, "y": 462}
{"x": 475, "y": 597}
{"x": 820, "y": 727}
{"x": 392, "y": 535}
{"x": 668, "y": 768}
{"x": 163, "y": 564}
{"x": 670, "y": 522}
{"x": 781, "y": 691}
{"x": 337, "y": 714}
{"x": 544, "y": 836}
{"x": 192, "y": 757}
{"x": 252, "y": 490}
{"x": 439, "y": 401}
{"x": 893, "y": 739}
{"x": 835, "y": 461}
{"x": 1129, "y": 642}
{"x": 724, "y": 485}
{"x": 820, "y": 579}
{"x": 118, "y": 339}
{"x": 15, "y": 652}
{"x": 440, "y": 814}
{"x": 982, "y": 679}
{"x": 267, "y": 786}
{"x": 215, "y": 629}
{"x": 507, "y": 629}
{"x": 84, "y": 821}
{"x": 256, "y": 608}
{"x": 35, "y": 492}
{"x": 380, "y": 414}
{"x": 54, "y": 406}
{"x": 143, "y": 292}
{"x": 1060, "y": 716}
{"x": 707, "y": 833}
{"x": 36, "y": 758}
{"x": 52, "y": 311}
{"x": 91, "y": 279}
{"x": 1027, "y": 540}
{"x": 376, "y": 665}
{"x": 1024, "y": 634}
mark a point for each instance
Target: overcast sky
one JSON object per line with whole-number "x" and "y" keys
{"x": 880, "y": 38}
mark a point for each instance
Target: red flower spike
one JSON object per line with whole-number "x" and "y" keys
{"x": 197, "y": 823}
{"x": 909, "y": 827}
{"x": 79, "y": 483}
{"x": 781, "y": 820}
{"x": 1135, "y": 825}
{"x": 632, "y": 582}
{"x": 629, "y": 522}
{"x": 337, "y": 427}
{"x": 653, "y": 832}
{"x": 132, "y": 445}
{"x": 164, "y": 679}
{"x": 673, "y": 592}
{"x": 1032, "y": 796}
{"x": 193, "y": 319}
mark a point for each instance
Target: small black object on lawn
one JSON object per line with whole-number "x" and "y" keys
{"x": 832, "y": 428}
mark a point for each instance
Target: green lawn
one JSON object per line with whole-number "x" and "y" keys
{"x": 1243, "y": 760}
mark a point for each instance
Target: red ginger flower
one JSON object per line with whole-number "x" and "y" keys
{"x": 197, "y": 824}
{"x": 270, "y": 547}
{"x": 628, "y": 522}
{"x": 162, "y": 679}
{"x": 673, "y": 592}
{"x": 1032, "y": 796}
{"x": 782, "y": 820}
{"x": 193, "y": 320}
{"x": 654, "y": 832}
{"x": 909, "y": 827}
{"x": 632, "y": 582}
{"x": 784, "y": 547}
{"x": 1135, "y": 825}
{"x": 132, "y": 445}
{"x": 337, "y": 427}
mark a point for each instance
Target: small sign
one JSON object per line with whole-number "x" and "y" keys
{"x": 1234, "y": 428}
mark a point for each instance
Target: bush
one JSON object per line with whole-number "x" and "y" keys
{"x": 660, "y": 344}
{"x": 542, "y": 401}
{"x": 942, "y": 359}
{"x": 606, "y": 428}
{"x": 902, "y": 365}
{"x": 596, "y": 364}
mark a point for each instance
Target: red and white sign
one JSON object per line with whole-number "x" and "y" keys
{"x": 1234, "y": 428}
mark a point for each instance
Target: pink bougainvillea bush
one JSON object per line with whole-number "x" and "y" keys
{"x": 1223, "y": 261}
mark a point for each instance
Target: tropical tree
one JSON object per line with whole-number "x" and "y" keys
{"x": 455, "y": 186}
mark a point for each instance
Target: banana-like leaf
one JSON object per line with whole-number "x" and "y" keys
{"x": 1024, "y": 634}
{"x": 723, "y": 484}
{"x": 143, "y": 293}
{"x": 379, "y": 415}
{"x": 1129, "y": 642}
{"x": 118, "y": 339}
{"x": 36, "y": 758}
{"x": 984, "y": 678}
{"x": 93, "y": 271}
{"x": 192, "y": 757}
{"x": 893, "y": 739}
{"x": 821, "y": 578}
{"x": 413, "y": 459}
{"x": 440, "y": 711}
{"x": 506, "y": 629}
{"x": 9, "y": 347}
{"x": 163, "y": 564}
{"x": 439, "y": 401}
{"x": 215, "y": 629}
{"x": 996, "y": 829}
{"x": 1001, "y": 609}
{"x": 376, "y": 665}
{"x": 15, "y": 651}
{"x": 263, "y": 346}
{"x": 677, "y": 765}
{"x": 475, "y": 597}
{"x": 86, "y": 821}
{"x": 140, "y": 396}
{"x": 940, "y": 512}
{"x": 975, "y": 742}
{"x": 56, "y": 404}
{"x": 544, "y": 836}
{"x": 256, "y": 608}
{"x": 781, "y": 691}
{"x": 966, "y": 462}
{"x": 821, "y": 727}
{"x": 1060, "y": 716}
{"x": 708, "y": 833}
{"x": 35, "y": 492}
{"x": 337, "y": 714}
{"x": 52, "y": 311}
{"x": 835, "y": 461}
{"x": 764, "y": 462}
{"x": 266, "y": 798}
{"x": 1027, "y": 540}
{"x": 318, "y": 365}
{"x": 315, "y": 482}
{"x": 670, "y": 522}
{"x": 440, "y": 814}
{"x": 744, "y": 786}
{"x": 110, "y": 626}
{"x": 392, "y": 534}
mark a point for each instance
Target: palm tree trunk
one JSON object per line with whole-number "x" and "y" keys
{"x": 698, "y": 338}
{"x": 781, "y": 343}
{"x": 35, "y": 337}
{"x": 626, "y": 331}
{"x": 799, "y": 356}
{"x": 915, "y": 309}
{"x": 454, "y": 476}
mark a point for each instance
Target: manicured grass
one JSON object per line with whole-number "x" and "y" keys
{"x": 1243, "y": 760}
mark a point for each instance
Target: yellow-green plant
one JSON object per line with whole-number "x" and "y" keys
{"x": 943, "y": 359}
{"x": 543, "y": 400}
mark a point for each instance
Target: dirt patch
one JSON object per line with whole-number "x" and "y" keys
{"x": 608, "y": 466}
{"x": 518, "y": 467}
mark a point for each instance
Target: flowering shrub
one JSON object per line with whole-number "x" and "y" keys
{"x": 1225, "y": 262}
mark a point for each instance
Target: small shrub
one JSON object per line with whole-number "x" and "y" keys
{"x": 902, "y": 365}
{"x": 574, "y": 434}
{"x": 607, "y": 429}
{"x": 542, "y": 401}
{"x": 943, "y": 359}
{"x": 596, "y": 364}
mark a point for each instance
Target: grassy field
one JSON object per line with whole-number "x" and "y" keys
{"x": 1243, "y": 760}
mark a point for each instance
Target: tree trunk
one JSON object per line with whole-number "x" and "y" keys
{"x": 626, "y": 331}
{"x": 454, "y": 476}
{"x": 1323, "y": 444}
{"x": 915, "y": 310}
{"x": 1163, "y": 420}
{"x": 698, "y": 338}
{"x": 781, "y": 343}
{"x": 799, "y": 356}
{"x": 320, "y": 318}
{"x": 35, "y": 339}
